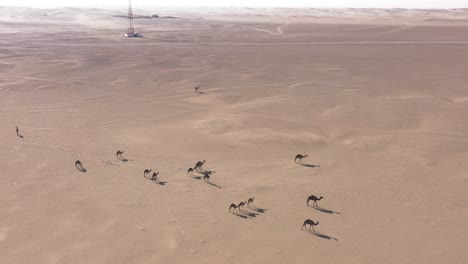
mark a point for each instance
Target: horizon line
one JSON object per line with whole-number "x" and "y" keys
{"x": 231, "y": 6}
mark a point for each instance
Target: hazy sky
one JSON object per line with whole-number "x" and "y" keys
{"x": 279, "y": 3}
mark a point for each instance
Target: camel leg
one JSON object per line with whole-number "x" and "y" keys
{"x": 302, "y": 228}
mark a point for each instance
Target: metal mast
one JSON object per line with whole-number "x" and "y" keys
{"x": 130, "y": 30}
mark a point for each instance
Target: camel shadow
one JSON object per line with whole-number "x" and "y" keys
{"x": 160, "y": 183}
{"x": 323, "y": 210}
{"x": 309, "y": 165}
{"x": 82, "y": 169}
{"x": 258, "y": 210}
{"x": 249, "y": 213}
{"x": 212, "y": 184}
{"x": 196, "y": 177}
{"x": 241, "y": 215}
{"x": 20, "y": 136}
{"x": 315, "y": 233}
{"x": 123, "y": 159}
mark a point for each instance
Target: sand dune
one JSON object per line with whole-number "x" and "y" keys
{"x": 376, "y": 98}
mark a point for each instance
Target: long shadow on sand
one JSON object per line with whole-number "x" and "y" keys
{"x": 250, "y": 214}
{"x": 309, "y": 165}
{"x": 82, "y": 169}
{"x": 323, "y": 210}
{"x": 315, "y": 233}
{"x": 245, "y": 214}
{"x": 212, "y": 184}
{"x": 258, "y": 210}
{"x": 241, "y": 215}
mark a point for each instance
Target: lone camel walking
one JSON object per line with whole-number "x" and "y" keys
{"x": 310, "y": 223}
{"x": 17, "y": 133}
{"x": 119, "y": 154}
{"x": 313, "y": 198}
{"x": 79, "y": 165}
{"x": 299, "y": 157}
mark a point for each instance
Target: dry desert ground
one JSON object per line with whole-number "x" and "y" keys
{"x": 377, "y": 99}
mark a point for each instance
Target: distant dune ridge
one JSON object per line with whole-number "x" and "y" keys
{"x": 373, "y": 100}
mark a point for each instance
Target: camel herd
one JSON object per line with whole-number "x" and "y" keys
{"x": 236, "y": 208}
{"x": 240, "y": 207}
{"x": 233, "y": 208}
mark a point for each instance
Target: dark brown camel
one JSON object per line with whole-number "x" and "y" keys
{"x": 313, "y": 198}
{"x": 79, "y": 166}
{"x": 250, "y": 201}
{"x": 190, "y": 172}
{"x": 241, "y": 206}
{"x": 232, "y": 207}
{"x": 17, "y": 133}
{"x": 119, "y": 154}
{"x": 199, "y": 165}
{"x": 299, "y": 157}
{"x": 155, "y": 176}
{"x": 146, "y": 173}
{"x": 310, "y": 223}
{"x": 207, "y": 175}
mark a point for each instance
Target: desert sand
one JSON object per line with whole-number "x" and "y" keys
{"x": 377, "y": 98}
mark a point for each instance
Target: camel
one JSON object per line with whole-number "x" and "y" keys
{"x": 207, "y": 175}
{"x": 155, "y": 176}
{"x": 79, "y": 165}
{"x": 250, "y": 201}
{"x": 146, "y": 173}
{"x": 300, "y": 157}
{"x": 241, "y": 206}
{"x": 17, "y": 133}
{"x": 190, "y": 172}
{"x": 199, "y": 165}
{"x": 310, "y": 223}
{"x": 232, "y": 207}
{"x": 313, "y": 198}
{"x": 119, "y": 154}
{"x": 197, "y": 88}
